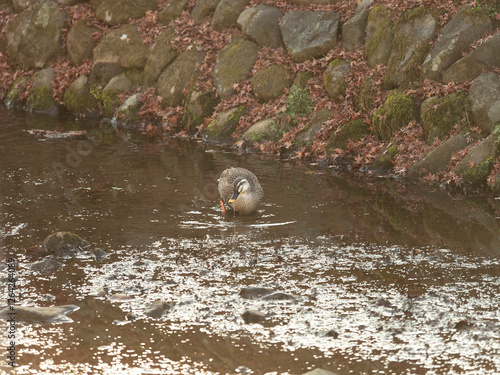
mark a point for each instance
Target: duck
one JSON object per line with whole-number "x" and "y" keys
{"x": 240, "y": 190}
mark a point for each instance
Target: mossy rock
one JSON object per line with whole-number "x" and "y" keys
{"x": 306, "y": 136}
{"x": 334, "y": 79}
{"x": 264, "y": 130}
{"x": 40, "y": 98}
{"x": 298, "y": 103}
{"x": 128, "y": 113}
{"x": 78, "y": 99}
{"x": 110, "y": 95}
{"x": 13, "y": 97}
{"x": 64, "y": 244}
{"x": 302, "y": 79}
{"x": 353, "y": 130}
{"x": 384, "y": 161}
{"x": 222, "y": 128}
{"x": 270, "y": 83}
{"x": 476, "y": 166}
{"x": 199, "y": 105}
{"x": 397, "y": 111}
{"x": 441, "y": 114}
{"x": 379, "y": 36}
{"x": 366, "y": 93}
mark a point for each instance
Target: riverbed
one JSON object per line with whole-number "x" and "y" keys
{"x": 348, "y": 273}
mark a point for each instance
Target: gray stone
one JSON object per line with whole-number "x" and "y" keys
{"x": 80, "y": 43}
{"x": 158, "y": 309}
{"x": 309, "y": 35}
{"x": 335, "y": 79}
{"x": 36, "y": 314}
{"x": 171, "y": 11}
{"x": 128, "y": 112}
{"x": 224, "y": 125}
{"x": 484, "y": 58}
{"x": 110, "y": 95}
{"x": 78, "y": 100}
{"x": 254, "y": 292}
{"x": 203, "y": 9}
{"x": 379, "y": 36}
{"x": 269, "y": 83}
{"x": 261, "y": 25}
{"x": 263, "y": 130}
{"x": 34, "y": 36}
{"x": 40, "y": 98}
{"x": 13, "y": 98}
{"x": 176, "y": 78}
{"x": 234, "y": 63}
{"x": 161, "y": 54}
{"x": 253, "y": 316}
{"x": 478, "y": 163}
{"x": 102, "y": 72}
{"x": 439, "y": 158}
{"x": 454, "y": 39}
{"x": 114, "y": 12}
{"x": 21, "y": 5}
{"x": 484, "y": 96}
{"x": 227, "y": 12}
{"x": 354, "y": 29}
{"x": 307, "y": 135}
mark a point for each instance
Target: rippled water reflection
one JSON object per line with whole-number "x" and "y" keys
{"x": 364, "y": 275}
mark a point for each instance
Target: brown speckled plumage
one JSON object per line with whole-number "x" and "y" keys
{"x": 246, "y": 201}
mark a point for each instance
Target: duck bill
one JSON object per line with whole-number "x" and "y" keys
{"x": 233, "y": 198}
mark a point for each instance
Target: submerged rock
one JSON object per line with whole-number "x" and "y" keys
{"x": 253, "y": 292}
{"x": 64, "y": 244}
{"x": 47, "y": 265}
{"x": 253, "y": 316}
{"x": 158, "y": 309}
{"x": 36, "y": 314}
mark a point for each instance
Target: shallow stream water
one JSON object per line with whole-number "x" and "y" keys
{"x": 362, "y": 275}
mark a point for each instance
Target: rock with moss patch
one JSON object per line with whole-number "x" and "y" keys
{"x": 199, "y": 105}
{"x": 13, "y": 99}
{"x": 454, "y": 39}
{"x": 78, "y": 99}
{"x": 307, "y": 135}
{"x": 110, "y": 95}
{"x": 226, "y": 13}
{"x": 80, "y": 43}
{"x": 397, "y": 111}
{"x": 308, "y": 35}
{"x": 384, "y": 161}
{"x": 100, "y": 75}
{"x": 224, "y": 125}
{"x": 64, "y": 244}
{"x": 263, "y": 130}
{"x": 413, "y": 33}
{"x": 114, "y": 12}
{"x": 441, "y": 114}
{"x": 175, "y": 80}
{"x": 270, "y": 83}
{"x": 353, "y": 130}
{"x": 171, "y": 11}
{"x": 335, "y": 79}
{"x": 203, "y": 9}
{"x": 161, "y": 54}
{"x": 478, "y": 163}
{"x": 354, "y": 29}
{"x": 261, "y": 25}
{"x": 366, "y": 94}
{"x": 128, "y": 113}
{"x": 484, "y": 95}
{"x": 379, "y": 36}
{"x": 40, "y": 97}
{"x": 234, "y": 63}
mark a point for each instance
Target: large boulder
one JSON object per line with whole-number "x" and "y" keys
{"x": 78, "y": 100}
{"x": 397, "y": 111}
{"x": 171, "y": 11}
{"x": 478, "y": 163}
{"x": 261, "y": 25}
{"x": 227, "y": 12}
{"x": 34, "y": 36}
{"x": 177, "y": 77}
{"x": 269, "y": 83}
{"x": 114, "y": 12}
{"x": 161, "y": 54}
{"x": 234, "y": 63}
{"x": 309, "y": 35}
{"x": 203, "y": 9}
{"x": 354, "y": 29}
{"x": 307, "y": 135}
{"x": 40, "y": 97}
{"x": 335, "y": 79}
{"x": 379, "y": 36}
{"x": 441, "y": 114}
{"x": 413, "y": 32}
{"x": 224, "y": 125}
{"x": 454, "y": 39}
{"x": 80, "y": 43}
{"x": 484, "y": 96}
{"x": 484, "y": 58}
{"x": 123, "y": 46}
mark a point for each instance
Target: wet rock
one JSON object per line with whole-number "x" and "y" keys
{"x": 309, "y": 35}
{"x": 226, "y": 13}
{"x": 307, "y": 135}
{"x": 110, "y": 95}
{"x": 64, "y": 244}
{"x": 395, "y": 113}
{"x": 199, "y": 105}
{"x": 123, "y": 46}
{"x": 203, "y": 9}
{"x": 438, "y": 159}
{"x": 254, "y": 292}
{"x": 478, "y": 163}
{"x": 454, "y": 39}
{"x": 379, "y": 36}
{"x": 128, "y": 112}
{"x": 46, "y": 266}
{"x": 261, "y": 25}
{"x": 441, "y": 114}
{"x": 319, "y": 371}
{"x": 100, "y": 254}
{"x": 118, "y": 297}
{"x": 171, "y": 11}
{"x": 158, "y": 309}
{"x": 13, "y": 98}
{"x": 413, "y": 32}
{"x": 263, "y": 130}
{"x": 161, "y": 54}
{"x": 484, "y": 96}
{"x": 279, "y": 296}
{"x": 335, "y": 79}
{"x": 223, "y": 126}
{"x": 34, "y": 36}
{"x": 484, "y": 58}
{"x": 35, "y": 314}
{"x": 352, "y": 130}
{"x": 114, "y": 12}
{"x": 176, "y": 78}
{"x": 40, "y": 97}
{"x": 78, "y": 100}
{"x": 269, "y": 83}
{"x": 332, "y": 333}
{"x": 253, "y": 316}
{"x": 234, "y": 63}
{"x": 354, "y": 29}
{"x": 80, "y": 43}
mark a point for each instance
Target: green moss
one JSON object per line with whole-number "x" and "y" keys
{"x": 110, "y": 102}
{"x": 40, "y": 99}
{"x": 80, "y": 104}
{"x": 221, "y": 129}
{"x": 395, "y": 113}
{"x": 384, "y": 161}
{"x": 366, "y": 93}
{"x": 377, "y": 12}
{"x": 353, "y": 130}
{"x": 298, "y": 103}
{"x": 478, "y": 174}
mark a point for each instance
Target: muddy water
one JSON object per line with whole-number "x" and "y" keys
{"x": 364, "y": 275}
